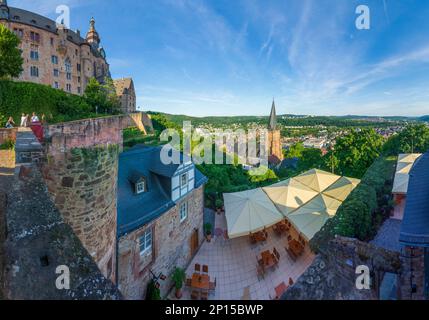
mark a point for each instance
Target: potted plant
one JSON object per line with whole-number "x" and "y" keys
{"x": 178, "y": 277}
{"x": 219, "y": 205}
{"x": 208, "y": 231}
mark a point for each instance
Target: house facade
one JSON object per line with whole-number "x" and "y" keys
{"x": 126, "y": 93}
{"x": 160, "y": 219}
{"x": 54, "y": 55}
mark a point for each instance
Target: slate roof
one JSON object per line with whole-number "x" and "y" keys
{"x": 41, "y": 22}
{"x": 122, "y": 84}
{"x": 134, "y": 210}
{"x": 415, "y": 226}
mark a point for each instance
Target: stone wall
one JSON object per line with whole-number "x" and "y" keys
{"x": 413, "y": 276}
{"x": 171, "y": 248}
{"x": 38, "y": 241}
{"x": 332, "y": 276}
{"x": 83, "y": 183}
{"x": 8, "y": 135}
{"x": 274, "y": 143}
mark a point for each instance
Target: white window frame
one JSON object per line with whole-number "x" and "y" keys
{"x": 183, "y": 211}
{"x": 147, "y": 237}
{"x": 141, "y": 187}
{"x": 184, "y": 184}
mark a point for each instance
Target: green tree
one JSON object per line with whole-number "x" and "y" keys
{"x": 414, "y": 139}
{"x": 295, "y": 151}
{"x": 357, "y": 150}
{"x": 102, "y": 97}
{"x": 10, "y": 55}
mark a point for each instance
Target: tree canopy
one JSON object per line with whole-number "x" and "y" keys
{"x": 10, "y": 55}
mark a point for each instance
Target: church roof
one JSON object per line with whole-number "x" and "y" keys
{"x": 272, "y": 125}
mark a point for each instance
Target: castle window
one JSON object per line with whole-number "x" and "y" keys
{"x": 145, "y": 242}
{"x": 56, "y": 73}
{"x": 33, "y": 21}
{"x": 79, "y": 90}
{"x": 54, "y": 59}
{"x": 34, "y": 53}
{"x": 56, "y": 85}
{"x": 78, "y": 79}
{"x": 16, "y": 18}
{"x": 34, "y": 71}
{"x": 52, "y": 41}
{"x": 19, "y": 32}
{"x": 34, "y": 36}
{"x": 68, "y": 65}
{"x": 183, "y": 211}
{"x": 69, "y": 76}
{"x": 78, "y": 67}
{"x": 68, "y": 87}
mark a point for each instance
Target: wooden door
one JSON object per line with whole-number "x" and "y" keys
{"x": 194, "y": 242}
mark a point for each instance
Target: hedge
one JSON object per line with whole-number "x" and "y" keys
{"x": 58, "y": 106}
{"x": 359, "y": 215}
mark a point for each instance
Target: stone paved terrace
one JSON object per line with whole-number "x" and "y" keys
{"x": 233, "y": 264}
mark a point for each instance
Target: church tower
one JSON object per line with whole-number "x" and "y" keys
{"x": 92, "y": 37}
{"x": 4, "y": 10}
{"x": 274, "y": 137}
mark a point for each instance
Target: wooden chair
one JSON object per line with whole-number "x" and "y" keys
{"x": 291, "y": 254}
{"x": 197, "y": 267}
{"x": 195, "y": 295}
{"x": 204, "y": 295}
{"x": 205, "y": 269}
{"x": 212, "y": 285}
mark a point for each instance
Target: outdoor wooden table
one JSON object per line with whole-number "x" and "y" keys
{"x": 200, "y": 281}
{"x": 296, "y": 247}
{"x": 268, "y": 259}
{"x": 259, "y": 236}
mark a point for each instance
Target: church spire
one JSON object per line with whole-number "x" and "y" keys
{"x": 272, "y": 125}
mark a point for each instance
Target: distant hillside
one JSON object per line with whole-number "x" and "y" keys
{"x": 424, "y": 118}
{"x": 286, "y": 120}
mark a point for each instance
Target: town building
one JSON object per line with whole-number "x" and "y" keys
{"x": 274, "y": 138}
{"x": 54, "y": 55}
{"x": 126, "y": 93}
{"x": 160, "y": 218}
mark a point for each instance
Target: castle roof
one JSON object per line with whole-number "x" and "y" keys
{"x": 122, "y": 84}
{"x": 272, "y": 125}
{"x": 135, "y": 211}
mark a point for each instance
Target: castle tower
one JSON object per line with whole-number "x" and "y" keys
{"x": 274, "y": 137}
{"x": 4, "y": 10}
{"x": 92, "y": 37}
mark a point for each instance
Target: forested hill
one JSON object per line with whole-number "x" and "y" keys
{"x": 290, "y": 120}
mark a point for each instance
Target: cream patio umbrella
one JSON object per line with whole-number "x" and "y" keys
{"x": 342, "y": 188}
{"x": 409, "y": 157}
{"x": 317, "y": 180}
{"x": 311, "y": 217}
{"x": 289, "y": 195}
{"x": 249, "y": 212}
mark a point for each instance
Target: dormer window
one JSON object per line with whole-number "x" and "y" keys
{"x": 140, "y": 185}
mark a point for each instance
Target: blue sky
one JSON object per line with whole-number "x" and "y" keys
{"x": 231, "y": 57}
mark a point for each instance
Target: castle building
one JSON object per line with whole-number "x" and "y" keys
{"x": 54, "y": 55}
{"x": 126, "y": 93}
{"x": 274, "y": 138}
{"x": 160, "y": 219}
